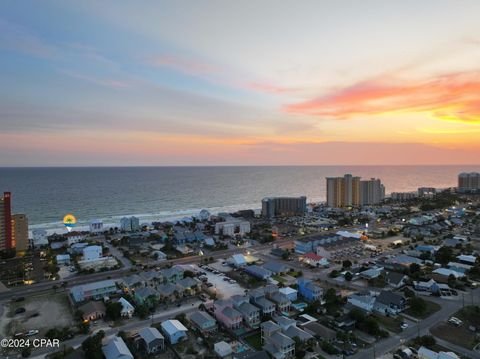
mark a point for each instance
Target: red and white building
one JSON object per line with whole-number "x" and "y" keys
{"x": 314, "y": 259}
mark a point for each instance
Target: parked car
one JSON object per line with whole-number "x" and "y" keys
{"x": 31, "y": 332}
{"x": 19, "y": 310}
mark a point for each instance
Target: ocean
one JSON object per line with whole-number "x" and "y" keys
{"x": 161, "y": 193}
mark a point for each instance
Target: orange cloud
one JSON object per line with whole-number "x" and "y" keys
{"x": 452, "y": 97}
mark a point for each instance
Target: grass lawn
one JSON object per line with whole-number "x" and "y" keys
{"x": 456, "y": 335}
{"x": 279, "y": 279}
{"x": 389, "y": 323}
{"x": 431, "y": 309}
{"x": 255, "y": 341}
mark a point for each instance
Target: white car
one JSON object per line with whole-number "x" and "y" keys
{"x": 31, "y": 332}
{"x": 404, "y": 326}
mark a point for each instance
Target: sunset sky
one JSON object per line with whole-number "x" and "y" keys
{"x": 239, "y": 82}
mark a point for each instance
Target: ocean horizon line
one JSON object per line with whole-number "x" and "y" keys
{"x": 240, "y": 166}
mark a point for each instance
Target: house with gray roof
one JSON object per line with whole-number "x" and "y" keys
{"x": 276, "y": 267}
{"x": 116, "y": 349}
{"x": 277, "y": 344}
{"x": 153, "y": 341}
{"x": 395, "y": 280}
{"x": 190, "y": 285}
{"x": 146, "y": 296}
{"x": 203, "y": 321}
{"x": 257, "y": 298}
{"x": 389, "y": 303}
{"x": 169, "y": 292}
{"x": 258, "y": 272}
{"x": 250, "y": 314}
{"x": 172, "y": 275}
{"x": 131, "y": 282}
{"x": 281, "y": 301}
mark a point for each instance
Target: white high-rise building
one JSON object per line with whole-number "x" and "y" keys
{"x": 372, "y": 191}
{"x": 130, "y": 224}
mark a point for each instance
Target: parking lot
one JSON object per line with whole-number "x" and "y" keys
{"x": 225, "y": 289}
{"x": 36, "y": 313}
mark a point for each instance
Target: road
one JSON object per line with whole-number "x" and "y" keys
{"x": 114, "y": 274}
{"x": 421, "y": 328}
{"x": 130, "y": 326}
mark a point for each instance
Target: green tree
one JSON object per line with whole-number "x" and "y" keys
{"x": 346, "y": 264}
{"x": 444, "y": 255}
{"x": 348, "y": 276}
{"x": 92, "y": 346}
{"x": 114, "y": 310}
{"x": 417, "y": 305}
{"x": 142, "y": 311}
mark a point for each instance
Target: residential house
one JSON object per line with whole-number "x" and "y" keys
{"x": 459, "y": 267}
{"x": 277, "y": 344}
{"x": 276, "y": 267}
{"x": 172, "y": 275}
{"x": 290, "y": 293}
{"x": 372, "y": 273}
{"x": 92, "y": 310}
{"x": 362, "y": 300}
{"x": 204, "y": 322}
{"x": 425, "y": 353}
{"x": 127, "y": 308}
{"x": 95, "y": 290}
{"x": 152, "y": 278}
{"x": 169, "y": 292}
{"x": 131, "y": 283}
{"x": 258, "y": 272}
{"x": 389, "y": 303}
{"x": 174, "y": 331}
{"x": 222, "y": 349}
{"x": 190, "y": 286}
{"x": 320, "y": 331}
{"x": 314, "y": 260}
{"x": 153, "y": 341}
{"x": 395, "y": 280}
{"x": 442, "y": 274}
{"x": 467, "y": 259}
{"x": 146, "y": 296}
{"x": 116, "y": 349}
{"x": 227, "y": 314}
{"x": 63, "y": 259}
{"x": 250, "y": 313}
{"x": 281, "y": 301}
{"x": 257, "y": 298}
{"x": 309, "y": 290}
{"x": 290, "y": 329}
{"x": 430, "y": 286}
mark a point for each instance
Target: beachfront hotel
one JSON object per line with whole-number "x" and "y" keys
{"x": 13, "y": 227}
{"x": 352, "y": 191}
{"x": 284, "y": 206}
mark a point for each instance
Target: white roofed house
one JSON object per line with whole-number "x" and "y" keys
{"x": 174, "y": 331}
{"x": 362, "y": 300}
{"x": 127, "y": 308}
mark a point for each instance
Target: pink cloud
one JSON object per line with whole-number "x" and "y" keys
{"x": 447, "y": 97}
